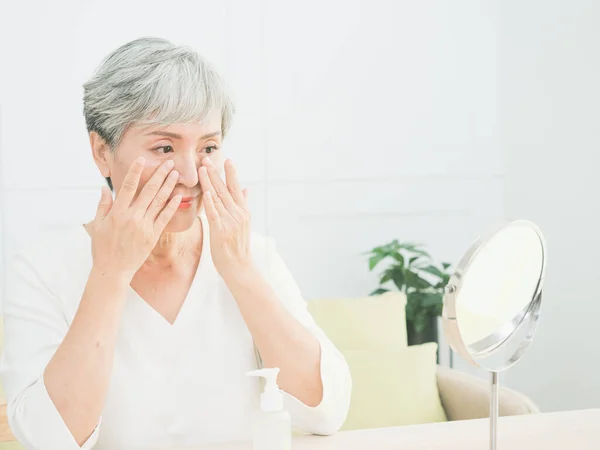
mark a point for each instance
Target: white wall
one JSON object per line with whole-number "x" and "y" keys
{"x": 550, "y": 93}
{"x": 2, "y": 234}
{"x": 358, "y": 121}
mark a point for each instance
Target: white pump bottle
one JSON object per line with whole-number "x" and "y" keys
{"x": 272, "y": 427}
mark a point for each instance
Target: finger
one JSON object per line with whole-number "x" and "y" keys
{"x": 154, "y": 184}
{"x": 130, "y": 184}
{"x": 233, "y": 183}
{"x": 222, "y": 192}
{"x": 167, "y": 214}
{"x": 245, "y": 192}
{"x": 105, "y": 204}
{"x": 214, "y": 218}
{"x": 207, "y": 186}
{"x": 162, "y": 197}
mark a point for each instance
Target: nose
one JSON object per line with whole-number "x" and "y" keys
{"x": 187, "y": 165}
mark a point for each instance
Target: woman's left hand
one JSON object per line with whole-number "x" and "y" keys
{"x": 228, "y": 217}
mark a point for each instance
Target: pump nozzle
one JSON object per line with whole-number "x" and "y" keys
{"x": 271, "y": 399}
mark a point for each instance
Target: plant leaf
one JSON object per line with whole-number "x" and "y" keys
{"x": 387, "y": 276}
{"x": 420, "y": 261}
{"x": 432, "y": 299}
{"x": 445, "y": 265}
{"x": 398, "y": 257}
{"x": 399, "y": 278}
{"x": 389, "y": 247}
{"x": 414, "y": 299}
{"x": 434, "y": 271}
{"x": 415, "y": 281}
{"x": 374, "y": 260}
{"x": 375, "y": 251}
{"x": 379, "y": 291}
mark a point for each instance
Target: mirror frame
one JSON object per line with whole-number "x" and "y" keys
{"x": 529, "y": 316}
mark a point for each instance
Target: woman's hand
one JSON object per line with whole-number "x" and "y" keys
{"x": 125, "y": 231}
{"x": 228, "y": 218}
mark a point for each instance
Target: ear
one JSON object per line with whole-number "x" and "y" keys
{"x": 101, "y": 153}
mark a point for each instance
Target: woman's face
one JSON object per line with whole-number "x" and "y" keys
{"x": 185, "y": 144}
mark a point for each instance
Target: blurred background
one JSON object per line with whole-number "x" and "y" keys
{"x": 358, "y": 123}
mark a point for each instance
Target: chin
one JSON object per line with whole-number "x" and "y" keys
{"x": 181, "y": 221}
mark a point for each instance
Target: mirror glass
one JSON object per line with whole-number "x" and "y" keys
{"x": 495, "y": 295}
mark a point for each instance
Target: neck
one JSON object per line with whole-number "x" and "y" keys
{"x": 171, "y": 247}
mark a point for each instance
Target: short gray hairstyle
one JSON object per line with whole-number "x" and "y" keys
{"x": 155, "y": 82}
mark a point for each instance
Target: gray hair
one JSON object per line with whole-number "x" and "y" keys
{"x": 155, "y": 82}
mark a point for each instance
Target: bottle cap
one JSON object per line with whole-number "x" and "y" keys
{"x": 271, "y": 399}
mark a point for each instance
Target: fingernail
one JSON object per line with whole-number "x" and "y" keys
{"x": 174, "y": 174}
{"x": 141, "y": 160}
{"x": 208, "y": 161}
{"x": 170, "y": 163}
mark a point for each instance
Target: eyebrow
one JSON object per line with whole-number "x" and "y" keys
{"x": 178, "y": 136}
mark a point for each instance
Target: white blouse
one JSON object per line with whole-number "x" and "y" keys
{"x": 173, "y": 385}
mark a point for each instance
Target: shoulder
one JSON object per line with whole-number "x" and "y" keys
{"x": 57, "y": 257}
{"x": 54, "y": 245}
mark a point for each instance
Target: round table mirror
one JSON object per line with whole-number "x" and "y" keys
{"x": 492, "y": 301}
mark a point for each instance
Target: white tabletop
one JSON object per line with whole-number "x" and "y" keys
{"x": 572, "y": 430}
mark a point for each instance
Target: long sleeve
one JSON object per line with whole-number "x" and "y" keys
{"x": 34, "y": 326}
{"x": 330, "y": 414}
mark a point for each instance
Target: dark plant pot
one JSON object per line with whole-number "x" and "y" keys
{"x": 429, "y": 334}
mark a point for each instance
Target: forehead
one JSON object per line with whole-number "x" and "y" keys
{"x": 193, "y": 130}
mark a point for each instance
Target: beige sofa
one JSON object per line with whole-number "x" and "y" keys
{"x": 466, "y": 397}
{"x": 379, "y": 322}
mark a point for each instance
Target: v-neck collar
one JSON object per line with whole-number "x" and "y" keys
{"x": 202, "y": 265}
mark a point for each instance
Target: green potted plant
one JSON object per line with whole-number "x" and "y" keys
{"x": 411, "y": 270}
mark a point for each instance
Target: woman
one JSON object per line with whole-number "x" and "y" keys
{"x": 137, "y": 330}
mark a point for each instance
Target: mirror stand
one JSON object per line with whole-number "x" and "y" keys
{"x": 494, "y": 411}
{"x": 492, "y": 302}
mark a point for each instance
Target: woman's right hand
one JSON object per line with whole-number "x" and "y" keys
{"x": 125, "y": 230}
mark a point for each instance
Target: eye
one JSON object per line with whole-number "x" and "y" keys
{"x": 211, "y": 149}
{"x": 164, "y": 149}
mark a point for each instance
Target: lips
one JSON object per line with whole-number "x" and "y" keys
{"x": 186, "y": 202}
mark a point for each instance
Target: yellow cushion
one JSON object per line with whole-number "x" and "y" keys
{"x": 363, "y": 323}
{"x": 11, "y": 446}
{"x": 393, "y": 387}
